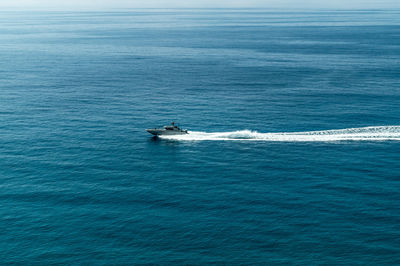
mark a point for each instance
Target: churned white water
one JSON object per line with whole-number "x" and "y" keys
{"x": 377, "y": 133}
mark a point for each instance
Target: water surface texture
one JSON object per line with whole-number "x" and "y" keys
{"x": 292, "y": 156}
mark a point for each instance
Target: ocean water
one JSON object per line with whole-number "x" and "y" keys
{"x": 292, "y": 156}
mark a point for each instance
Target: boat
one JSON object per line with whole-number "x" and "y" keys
{"x": 167, "y": 130}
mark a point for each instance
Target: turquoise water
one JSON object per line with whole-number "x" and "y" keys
{"x": 292, "y": 156}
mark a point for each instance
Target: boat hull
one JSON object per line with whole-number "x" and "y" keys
{"x": 161, "y": 131}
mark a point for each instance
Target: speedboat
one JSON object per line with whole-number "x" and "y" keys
{"x": 167, "y": 130}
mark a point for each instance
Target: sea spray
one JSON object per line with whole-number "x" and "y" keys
{"x": 377, "y": 133}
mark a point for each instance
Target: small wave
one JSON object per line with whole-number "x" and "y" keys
{"x": 379, "y": 133}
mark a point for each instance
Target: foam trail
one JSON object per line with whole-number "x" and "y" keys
{"x": 379, "y": 133}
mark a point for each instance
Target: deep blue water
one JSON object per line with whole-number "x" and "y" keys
{"x": 81, "y": 182}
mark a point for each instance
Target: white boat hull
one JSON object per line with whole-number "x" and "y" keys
{"x": 161, "y": 131}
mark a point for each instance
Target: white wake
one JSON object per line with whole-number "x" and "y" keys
{"x": 380, "y": 133}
